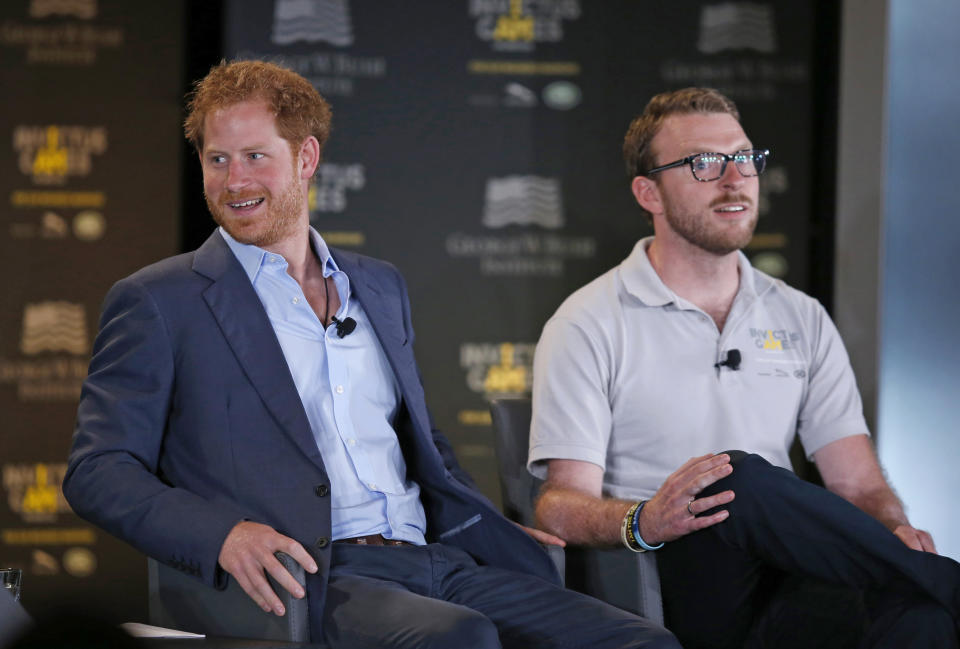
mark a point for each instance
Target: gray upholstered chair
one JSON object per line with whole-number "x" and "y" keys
{"x": 616, "y": 575}
{"x": 179, "y": 601}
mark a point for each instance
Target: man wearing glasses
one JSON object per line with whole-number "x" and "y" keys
{"x": 686, "y": 350}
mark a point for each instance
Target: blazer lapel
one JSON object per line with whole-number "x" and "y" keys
{"x": 384, "y": 307}
{"x": 247, "y": 329}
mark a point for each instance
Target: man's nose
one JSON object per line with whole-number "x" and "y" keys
{"x": 237, "y": 175}
{"x": 731, "y": 176}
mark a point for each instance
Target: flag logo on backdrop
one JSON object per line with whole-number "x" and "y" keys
{"x": 523, "y": 200}
{"x": 55, "y": 326}
{"x": 312, "y": 21}
{"x": 85, "y": 9}
{"x": 737, "y": 26}
{"x": 54, "y": 348}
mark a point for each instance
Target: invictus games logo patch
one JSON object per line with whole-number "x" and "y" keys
{"x": 312, "y": 21}
{"x": 518, "y": 25}
{"x": 774, "y": 340}
{"x": 52, "y": 154}
{"x": 737, "y": 26}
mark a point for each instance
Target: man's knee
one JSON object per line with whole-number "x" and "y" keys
{"x": 749, "y": 469}
{"x": 469, "y": 630}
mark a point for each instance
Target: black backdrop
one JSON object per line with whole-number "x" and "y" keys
{"x": 476, "y": 145}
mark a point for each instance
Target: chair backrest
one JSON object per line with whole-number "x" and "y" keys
{"x": 179, "y": 601}
{"x": 616, "y": 575}
{"x": 511, "y": 427}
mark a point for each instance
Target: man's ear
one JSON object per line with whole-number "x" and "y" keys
{"x": 647, "y": 194}
{"x": 309, "y": 157}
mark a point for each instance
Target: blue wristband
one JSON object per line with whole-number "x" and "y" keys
{"x": 636, "y": 530}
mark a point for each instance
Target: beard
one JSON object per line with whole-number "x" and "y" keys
{"x": 705, "y": 233}
{"x": 283, "y": 215}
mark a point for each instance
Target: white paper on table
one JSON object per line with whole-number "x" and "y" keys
{"x": 138, "y": 630}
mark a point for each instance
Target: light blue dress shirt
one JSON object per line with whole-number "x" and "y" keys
{"x": 350, "y": 395}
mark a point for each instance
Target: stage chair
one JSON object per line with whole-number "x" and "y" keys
{"x": 623, "y": 578}
{"x": 179, "y": 601}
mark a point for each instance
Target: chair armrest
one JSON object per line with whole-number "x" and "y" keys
{"x": 628, "y": 580}
{"x": 178, "y": 601}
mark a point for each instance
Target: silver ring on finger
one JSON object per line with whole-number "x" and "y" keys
{"x": 689, "y": 508}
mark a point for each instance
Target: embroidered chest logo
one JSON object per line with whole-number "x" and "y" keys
{"x": 774, "y": 340}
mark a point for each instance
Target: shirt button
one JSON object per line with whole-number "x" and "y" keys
{"x": 352, "y": 442}
{"x": 296, "y": 300}
{"x": 339, "y": 389}
{"x": 372, "y": 485}
{"x": 321, "y": 490}
{"x": 322, "y": 542}
{"x": 274, "y": 260}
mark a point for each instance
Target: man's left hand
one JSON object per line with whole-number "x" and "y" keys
{"x": 915, "y": 539}
{"x": 542, "y": 537}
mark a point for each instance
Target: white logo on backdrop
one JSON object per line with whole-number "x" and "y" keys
{"x": 79, "y": 8}
{"x": 312, "y": 21}
{"x": 523, "y": 200}
{"x": 54, "y": 326}
{"x": 737, "y": 26}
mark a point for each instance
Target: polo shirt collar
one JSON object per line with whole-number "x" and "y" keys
{"x": 641, "y": 280}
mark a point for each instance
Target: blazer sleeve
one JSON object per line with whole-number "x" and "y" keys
{"x": 112, "y": 475}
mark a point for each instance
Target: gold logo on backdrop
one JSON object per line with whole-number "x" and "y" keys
{"x": 514, "y": 26}
{"x": 517, "y": 25}
{"x": 498, "y": 369}
{"x": 33, "y": 490}
{"x": 507, "y": 377}
{"x": 52, "y": 154}
{"x": 495, "y": 370}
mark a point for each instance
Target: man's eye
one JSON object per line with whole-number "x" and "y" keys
{"x": 217, "y": 159}
{"x": 256, "y": 156}
{"x": 701, "y": 164}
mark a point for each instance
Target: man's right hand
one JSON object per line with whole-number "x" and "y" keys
{"x": 249, "y": 550}
{"x": 666, "y": 516}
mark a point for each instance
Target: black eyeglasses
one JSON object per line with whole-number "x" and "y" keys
{"x": 711, "y": 166}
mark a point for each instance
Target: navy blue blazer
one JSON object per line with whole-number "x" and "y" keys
{"x": 189, "y": 422}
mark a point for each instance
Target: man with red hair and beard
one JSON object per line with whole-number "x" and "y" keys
{"x": 260, "y": 395}
{"x": 686, "y": 350}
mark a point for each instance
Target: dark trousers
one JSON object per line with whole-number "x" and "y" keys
{"x": 436, "y": 596}
{"x": 797, "y": 566}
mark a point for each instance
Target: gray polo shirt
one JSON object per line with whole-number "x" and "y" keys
{"x": 624, "y": 378}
